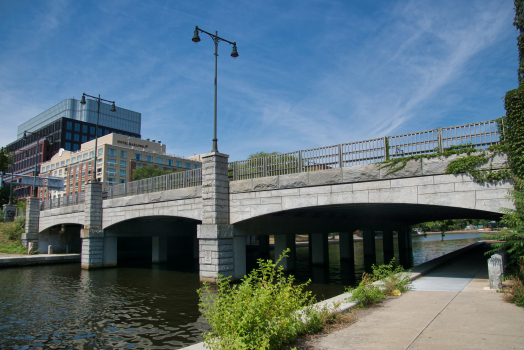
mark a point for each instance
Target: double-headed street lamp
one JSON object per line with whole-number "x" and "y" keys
{"x": 113, "y": 109}
{"x": 234, "y": 54}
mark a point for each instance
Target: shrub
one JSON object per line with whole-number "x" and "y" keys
{"x": 515, "y": 293}
{"x": 391, "y": 278}
{"x": 264, "y": 311}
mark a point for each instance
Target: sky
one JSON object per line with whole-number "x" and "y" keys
{"x": 309, "y": 73}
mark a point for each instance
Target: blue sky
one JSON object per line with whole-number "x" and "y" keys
{"x": 310, "y": 73}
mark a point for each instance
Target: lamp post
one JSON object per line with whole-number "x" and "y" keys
{"x": 234, "y": 54}
{"x": 113, "y": 109}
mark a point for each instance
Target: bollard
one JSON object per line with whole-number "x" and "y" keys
{"x": 30, "y": 248}
{"x": 49, "y": 249}
{"x": 496, "y": 270}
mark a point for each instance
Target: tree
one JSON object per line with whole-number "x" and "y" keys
{"x": 145, "y": 172}
{"x": 262, "y": 154}
{"x": 5, "y": 161}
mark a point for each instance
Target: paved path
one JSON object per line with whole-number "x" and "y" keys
{"x": 448, "y": 309}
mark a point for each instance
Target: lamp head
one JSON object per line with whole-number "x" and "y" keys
{"x": 113, "y": 108}
{"x": 196, "y": 38}
{"x": 83, "y": 100}
{"x": 234, "y": 53}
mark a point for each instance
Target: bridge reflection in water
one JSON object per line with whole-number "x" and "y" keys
{"x": 145, "y": 305}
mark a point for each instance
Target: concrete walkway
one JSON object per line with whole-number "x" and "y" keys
{"x": 450, "y": 308}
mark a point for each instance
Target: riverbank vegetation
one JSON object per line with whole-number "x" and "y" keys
{"x": 385, "y": 280}
{"x": 11, "y": 237}
{"x": 264, "y": 311}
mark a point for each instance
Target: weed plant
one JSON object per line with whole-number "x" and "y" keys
{"x": 515, "y": 292}
{"x": 11, "y": 238}
{"x": 264, "y": 311}
{"x": 391, "y": 279}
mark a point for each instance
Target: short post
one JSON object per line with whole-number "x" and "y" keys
{"x": 496, "y": 270}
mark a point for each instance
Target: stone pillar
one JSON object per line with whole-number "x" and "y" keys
{"x": 370, "y": 256}
{"x": 159, "y": 247}
{"x": 347, "y": 249}
{"x": 110, "y": 251}
{"x": 9, "y": 213}
{"x": 283, "y": 242}
{"x": 263, "y": 246}
{"x": 215, "y": 234}
{"x": 318, "y": 248}
{"x": 403, "y": 248}
{"x": 388, "y": 246}
{"x": 92, "y": 235}
{"x": 32, "y": 218}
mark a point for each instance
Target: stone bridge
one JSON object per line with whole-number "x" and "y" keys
{"x": 218, "y": 216}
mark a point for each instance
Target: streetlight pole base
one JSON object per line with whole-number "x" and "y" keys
{"x": 215, "y": 147}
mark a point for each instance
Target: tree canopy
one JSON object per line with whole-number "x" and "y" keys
{"x": 262, "y": 154}
{"x": 145, "y": 172}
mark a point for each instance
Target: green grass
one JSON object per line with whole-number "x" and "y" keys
{"x": 11, "y": 238}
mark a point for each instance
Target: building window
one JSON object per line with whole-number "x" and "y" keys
{"x": 69, "y": 125}
{"x": 84, "y": 129}
{"x": 83, "y": 174}
{"x": 76, "y": 137}
{"x": 92, "y": 130}
{"x": 187, "y": 165}
{"x": 111, "y": 152}
{"x": 84, "y": 156}
{"x": 179, "y": 163}
{"x": 123, "y": 164}
{"x": 100, "y": 151}
{"x": 67, "y": 161}
{"x": 100, "y": 132}
{"x": 169, "y": 162}
{"x": 60, "y": 172}
{"x": 91, "y": 154}
{"x": 76, "y": 147}
{"x": 68, "y": 136}
{"x": 138, "y": 165}
{"x": 122, "y": 172}
{"x": 111, "y": 171}
{"x": 111, "y": 161}
{"x": 121, "y": 181}
{"x": 196, "y": 166}
{"x": 138, "y": 156}
{"x": 99, "y": 161}
{"x": 107, "y": 132}
{"x": 84, "y": 138}
{"x": 62, "y": 163}
{"x": 76, "y": 176}
{"x": 89, "y": 174}
{"x": 77, "y": 167}
{"x": 149, "y": 159}
{"x": 52, "y": 166}
{"x": 159, "y": 160}
{"x": 123, "y": 154}
{"x": 111, "y": 180}
{"x": 77, "y": 127}
{"x": 76, "y": 185}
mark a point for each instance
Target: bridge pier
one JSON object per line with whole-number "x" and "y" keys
{"x": 370, "y": 256}
{"x": 388, "y": 246}
{"x": 159, "y": 249}
{"x": 110, "y": 251}
{"x": 347, "y": 249}
{"x": 403, "y": 247}
{"x": 283, "y": 242}
{"x": 318, "y": 248}
{"x": 93, "y": 235}
{"x": 32, "y": 219}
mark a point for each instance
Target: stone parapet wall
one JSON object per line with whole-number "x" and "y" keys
{"x": 354, "y": 174}
{"x": 154, "y": 197}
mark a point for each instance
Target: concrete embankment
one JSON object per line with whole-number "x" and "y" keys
{"x": 14, "y": 260}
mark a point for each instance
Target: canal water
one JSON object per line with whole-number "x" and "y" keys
{"x": 143, "y": 306}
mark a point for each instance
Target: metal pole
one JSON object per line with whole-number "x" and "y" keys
{"x": 215, "y": 147}
{"x": 11, "y": 184}
{"x": 96, "y": 138}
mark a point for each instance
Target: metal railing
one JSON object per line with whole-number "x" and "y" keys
{"x": 182, "y": 179}
{"x": 64, "y": 201}
{"x": 480, "y": 135}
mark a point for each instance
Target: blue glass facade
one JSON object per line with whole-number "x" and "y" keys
{"x": 128, "y": 122}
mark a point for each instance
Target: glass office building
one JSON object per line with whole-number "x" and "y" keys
{"x": 67, "y": 125}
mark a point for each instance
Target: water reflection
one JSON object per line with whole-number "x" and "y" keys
{"x": 143, "y": 306}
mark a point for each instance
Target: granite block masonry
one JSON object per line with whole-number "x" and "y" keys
{"x": 92, "y": 234}
{"x": 215, "y": 235}
{"x": 32, "y": 218}
{"x": 496, "y": 271}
